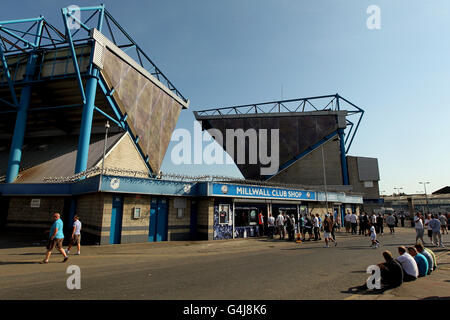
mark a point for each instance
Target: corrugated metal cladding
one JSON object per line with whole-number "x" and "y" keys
{"x": 152, "y": 112}
{"x": 296, "y": 134}
{"x": 368, "y": 169}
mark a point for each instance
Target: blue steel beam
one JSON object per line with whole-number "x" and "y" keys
{"x": 112, "y": 104}
{"x": 65, "y": 15}
{"x": 123, "y": 118}
{"x": 108, "y": 116}
{"x": 342, "y": 147}
{"x": 15, "y": 154}
{"x": 354, "y": 133}
{"x": 86, "y": 123}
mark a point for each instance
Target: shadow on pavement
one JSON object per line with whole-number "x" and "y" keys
{"x": 18, "y": 262}
{"x": 436, "y": 298}
{"x": 364, "y": 291}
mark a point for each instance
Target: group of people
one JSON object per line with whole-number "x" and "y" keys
{"x": 365, "y": 222}
{"x": 307, "y": 224}
{"x": 283, "y": 225}
{"x": 412, "y": 263}
{"x": 434, "y": 224}
{"x": 56, "y": 238}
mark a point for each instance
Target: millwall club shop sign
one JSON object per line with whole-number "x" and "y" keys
{"x": 240, "y": 191}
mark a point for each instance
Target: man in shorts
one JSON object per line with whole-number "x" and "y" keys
{"x": 443, "y": 220}
{"x": 56, "y": 238}
{"x": 327, "y": 229}
{"x": 373, "y": 236}
{"x": 76, "y": 235}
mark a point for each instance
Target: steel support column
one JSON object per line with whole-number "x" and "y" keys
{"x": 343, "y": 157}
{"x": 86, "y": 123}
{"x": 15, "y": 154}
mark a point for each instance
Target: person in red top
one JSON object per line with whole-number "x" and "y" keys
{"x": 261, "y": 224}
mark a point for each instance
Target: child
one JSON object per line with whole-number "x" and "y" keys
{"x": 373, "y": 237}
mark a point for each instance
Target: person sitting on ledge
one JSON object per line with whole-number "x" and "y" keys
{"x": 409, "y": 265}
{"x": 422, "y": 263}
{"x": 391, "y": 271}
{"x": 420, "y": 249}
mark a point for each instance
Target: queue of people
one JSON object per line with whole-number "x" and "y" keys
{"x": 308, "y": 227}
{"x": 365, "y": 222}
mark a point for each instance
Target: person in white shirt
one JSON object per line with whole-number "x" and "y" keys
{"x": 409, "y": 265}
{"x": 280, "y": 225}
{"x": 347, "y": 222}
{"x": 418, "y": 224}
{"x": 316, "y": 227}
{"x": 76, "y": 235}
{"x": 373, "y": 236}
{"x": 373, "y": 219}
{"x": 271, "y": 225}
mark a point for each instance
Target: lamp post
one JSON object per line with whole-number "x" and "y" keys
{"x": 324, "y": 179}
{"x": 426, "y": 198}
{"x": 398, "y": 190}
{"x": 104, "y": 152}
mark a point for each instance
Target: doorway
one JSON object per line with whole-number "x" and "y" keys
{"x": 158, "y": 220}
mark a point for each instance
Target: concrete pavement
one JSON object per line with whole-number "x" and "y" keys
{"x": 231, "y": 269}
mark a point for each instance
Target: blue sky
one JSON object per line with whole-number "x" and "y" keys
{"x": 221, "y": 53}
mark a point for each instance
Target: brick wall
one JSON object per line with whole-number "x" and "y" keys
{"x": 124, "y": 155}
{"x": 135, "y": 230}
{"x": 179, "y": 228}
{"x": 309, "y": 169}
{"x": 21, "y": 215}
{"x": 91, "y": 209}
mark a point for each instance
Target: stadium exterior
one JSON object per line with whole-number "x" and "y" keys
{"x": 58, "y": 89}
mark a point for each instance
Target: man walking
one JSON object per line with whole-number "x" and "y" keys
{"x": 55, "y": 239}
{"x": 418, "y": 225}
{"x": 327, "y": 229}
{"x": 443, "y": 220}
{"x": 435, "y": 225}
{"x": 76, "y": 235}
{"x": 380, "y": 223}
{"x": 390, "y": 221}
